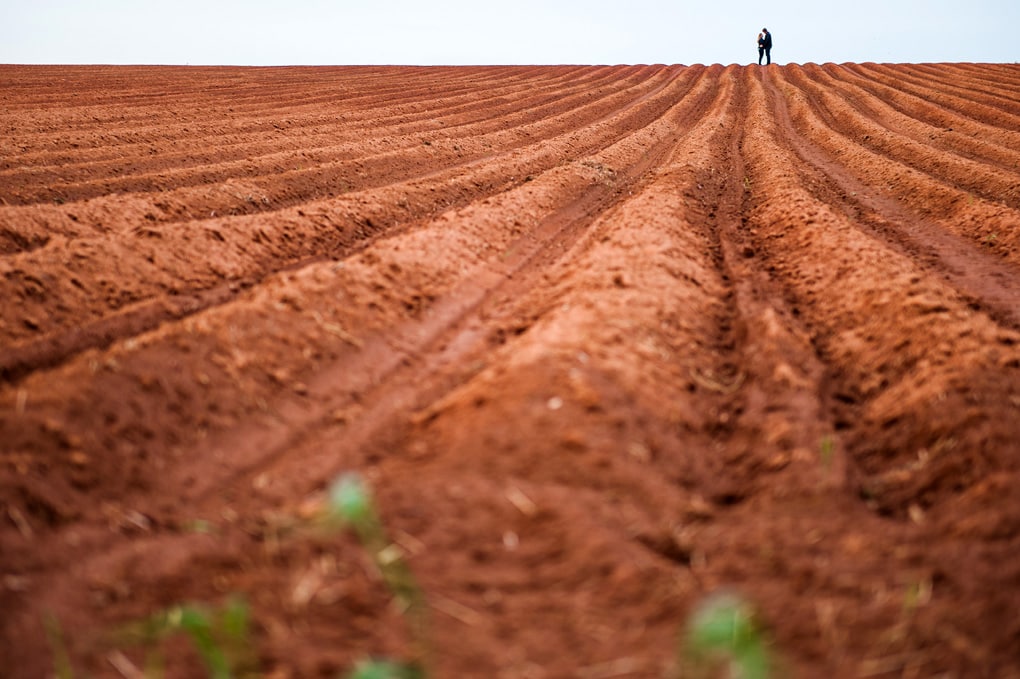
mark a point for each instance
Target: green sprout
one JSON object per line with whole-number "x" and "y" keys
{"x": 723, "y": 635}
{"x": 381, "y": 669}
{"x": 201, "y": 526}
{"x": 61, "y": 659}
{"x": 351, "y": 504}
{"x": 827, "y": 449}
{"x": 219, "y": 635}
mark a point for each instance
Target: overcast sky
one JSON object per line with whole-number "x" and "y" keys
{"x": 284, "y": 32}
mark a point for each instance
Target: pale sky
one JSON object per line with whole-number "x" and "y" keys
{"x": 462, "y": 32}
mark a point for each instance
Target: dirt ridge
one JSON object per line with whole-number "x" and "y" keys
{"x": 603, "y": 339}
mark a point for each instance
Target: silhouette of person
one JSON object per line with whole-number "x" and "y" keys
{"x": 765, "y": 45}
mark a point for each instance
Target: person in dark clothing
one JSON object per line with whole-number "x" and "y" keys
{"x": 765, "y": 45}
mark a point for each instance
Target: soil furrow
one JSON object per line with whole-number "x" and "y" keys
{"x": 986, "y": 223}
{"x": 781, "y": 409}
{"x": 876, "y": 127}
{"x": 971, "y": 106}
{"x": 1008, "y": 94}
{"x": 974, "y": 140}
{"x": 457, "y": 326}
{"x": 586, "y": 168}
{"x": 380, "y": 356}
{"x": 331, "y": 227}
{"x": 314, "y": 174}
{"x": 987, "y": 283}
{"x": 603, "y": 341}
{"x": 572, "y": 365}
{"x": 872, "y": 313}
{"x": 139, "y": 170}
{"x": 358, "y": 89}
{"x": 358, "y": 123}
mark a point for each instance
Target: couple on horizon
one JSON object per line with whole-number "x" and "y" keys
{"x": 765, "y": 46}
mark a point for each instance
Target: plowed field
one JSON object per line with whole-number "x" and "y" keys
{"x": 602, "y": 340}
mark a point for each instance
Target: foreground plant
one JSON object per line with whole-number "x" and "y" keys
{"x": 55, "y": 635}
{"x": 723, "y": 640}
{"x": 351, "y": 504}
{"x": 220, "y": 635}
{"x": 376, "y": 669}
{"x": 827, "y": 451}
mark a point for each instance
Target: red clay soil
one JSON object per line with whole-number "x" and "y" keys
{"x": 603, "y": 341}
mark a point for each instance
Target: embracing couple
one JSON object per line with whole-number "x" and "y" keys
{"x": 765, "y": 46}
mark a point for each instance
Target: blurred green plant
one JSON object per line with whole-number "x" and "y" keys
{"x": 61, "y": 659}
{"x": 827, "y": 450}
{"x": 382, "y": 669}
{"x": 220, "y": 636}
{"x": 351, "y": 504}
{"x": 723, "y": 639}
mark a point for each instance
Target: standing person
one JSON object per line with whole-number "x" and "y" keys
{"x": 766, "y": 44}
{"x": 761, "y": 47}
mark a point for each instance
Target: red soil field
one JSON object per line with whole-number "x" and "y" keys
{"x": 602, "y": 340}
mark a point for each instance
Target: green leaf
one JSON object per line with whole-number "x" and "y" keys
{"x": 723, "y": 633}
{"x": 350, "y": 499}
{"x": 382, "y": 669}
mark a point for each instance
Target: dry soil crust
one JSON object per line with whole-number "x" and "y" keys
{"x": 602, "y": 339}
